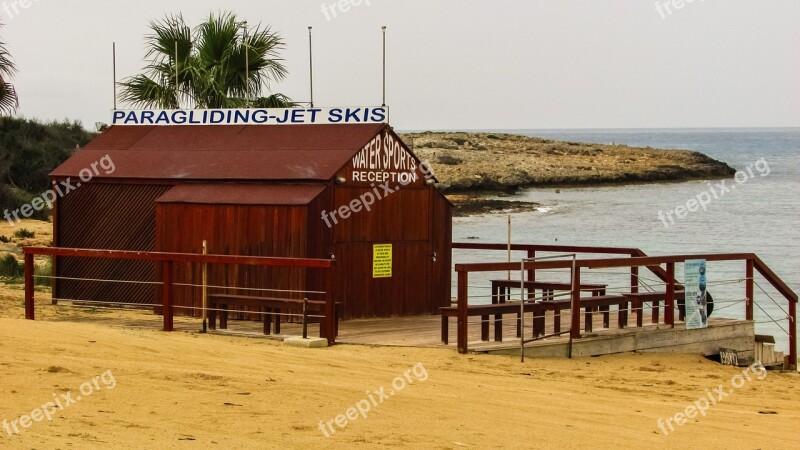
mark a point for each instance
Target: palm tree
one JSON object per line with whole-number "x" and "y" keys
{"x": 218, "y": 67}
{"x": 8, "y": 95}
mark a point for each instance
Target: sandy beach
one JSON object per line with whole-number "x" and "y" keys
{"x": 147, "y": 388}
{"x": 153, "y": 389}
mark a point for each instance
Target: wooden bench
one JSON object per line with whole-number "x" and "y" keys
{"x": 501, "y": 292}
{"x": 640, "y": 298}
{"x": 538, "y": 309}
{"x": 484, "y": 311}
{"x": 269, "y": 305}
{"x": 548, "y": 288}
{"x": 600, "y": 302}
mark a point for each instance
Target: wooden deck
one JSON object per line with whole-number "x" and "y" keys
{"x": 425, "y": 332}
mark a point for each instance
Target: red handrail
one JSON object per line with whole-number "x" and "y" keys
{"x": 168, "y": 259}
{"x": 637, "y": 259}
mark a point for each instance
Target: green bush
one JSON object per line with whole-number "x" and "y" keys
{"x": 29, "y": 151}
{"x": 14, "y": 198}
{"x": 449, "y": 160}
{"x": 24, "y": 233}
{"x": 4, "y": 239}
{"x": 10, "y": 267}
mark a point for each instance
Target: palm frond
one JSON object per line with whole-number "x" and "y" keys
{"x": 8, "y": 98}
{"x": 219, "y": 66}
{"x": 9, "y": 102}
{"x": 166, "y": 32}
{"x": 274, "y": 101}
{"x": 142, "y": 91}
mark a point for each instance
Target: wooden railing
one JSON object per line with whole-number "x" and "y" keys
{"x": 167, "y": 261}
{"x": 636, "y": 259}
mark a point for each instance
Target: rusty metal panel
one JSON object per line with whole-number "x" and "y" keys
{"x": 254, "y": 137}
{"x": 297, "y": 152}
{"x": 252, "y": 165}
{"x": 113, "y": 217}
{"x": 243, "y": 194}
{"x": 115, "y": 139}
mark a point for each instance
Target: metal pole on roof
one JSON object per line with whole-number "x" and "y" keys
{"x": 246, "y": 67}
{"x": 114, "y": 70}
{"x": 177, "y": 95}
{"x": 384, "y": 65}
{"x": 310, "y": 68}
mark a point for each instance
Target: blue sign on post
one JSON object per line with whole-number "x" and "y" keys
{"x": 695, "y": 293}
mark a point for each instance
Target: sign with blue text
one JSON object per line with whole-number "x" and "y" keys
{"x": 695, "y": 293}
{"x": 253, "y": 116}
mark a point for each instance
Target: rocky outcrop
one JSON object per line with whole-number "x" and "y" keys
{"x": 479, "y": 162}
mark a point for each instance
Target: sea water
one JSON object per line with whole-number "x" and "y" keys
{"x": 759, "y": 216}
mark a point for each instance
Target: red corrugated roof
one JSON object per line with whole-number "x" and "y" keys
{"x": 243, "y": 194}
{"x": 287, "y": 152}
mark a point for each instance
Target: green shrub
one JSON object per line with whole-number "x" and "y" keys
{"x": 13, "y": 198}
{"x": 24, "y": 233}
{"x": 4, "y": 239}
{"x": 10, "y": 267}
{"x": 449, "y": 160}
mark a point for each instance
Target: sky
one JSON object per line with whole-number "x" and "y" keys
{"x": 453, "y": 64}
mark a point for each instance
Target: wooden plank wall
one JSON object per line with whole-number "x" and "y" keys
{"x": 108, "y": 216}
{"x": 234, "y": 230}
{"x": 419, "y": 285}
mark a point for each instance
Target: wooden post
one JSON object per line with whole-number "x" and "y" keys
{"x": 749, "y": 289}
{"x": 29, "y": 285}
{"x": 463, "y": 298}
{"x": 575, "y": 305}
{"x": 205, "y": 288}
{"x": 166, "y": 294}
{"x": 531, "y": 272}
{"x": 654, "y": 309}
{"x": 669, "y": 306}
{"x": 509, "y": 244}
{"x": 305, "y": 318}
{"x": 792, "y": 334}
{"x": 330, "y": 308}
{"x": 630, "y": 308}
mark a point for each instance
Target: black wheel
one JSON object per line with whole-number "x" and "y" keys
{"x": 709, "y": 304}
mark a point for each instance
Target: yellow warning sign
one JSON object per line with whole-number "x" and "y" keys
{"x": 382, "y": 261}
